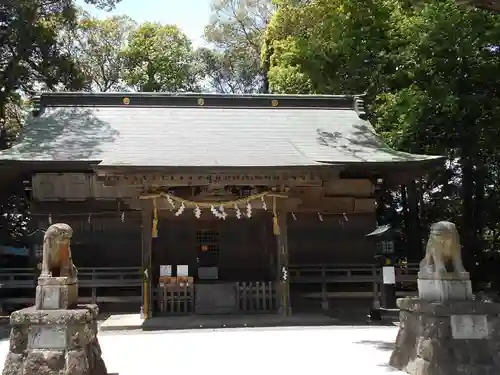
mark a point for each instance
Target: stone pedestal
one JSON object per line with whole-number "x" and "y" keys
{"x": 447, "y": 338}
{"x": 54, "y": 342}
{"x": 432, "y": 287}
{"x": 56, "y": 293}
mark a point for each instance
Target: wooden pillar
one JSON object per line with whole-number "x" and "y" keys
{"x": 283, "y": 290}
{"x": 146, "y": 229}
{"x": 415, "y": 241}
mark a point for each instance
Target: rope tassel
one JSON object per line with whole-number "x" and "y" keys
{"x": 154, "y": 230}
{"x": 276, "y": 226}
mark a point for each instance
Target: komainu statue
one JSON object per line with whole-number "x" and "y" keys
{"x": 57, "y": 260}
{"x": 443, "y": 249}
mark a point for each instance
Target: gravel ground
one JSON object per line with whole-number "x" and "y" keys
{"x": 341, "y": 350}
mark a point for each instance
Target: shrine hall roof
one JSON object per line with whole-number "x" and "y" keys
{"x": 201, "y": 130}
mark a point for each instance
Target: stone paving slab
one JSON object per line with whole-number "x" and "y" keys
{"x": 122, "y": 322}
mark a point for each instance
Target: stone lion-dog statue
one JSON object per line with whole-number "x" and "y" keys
{"x": 443, "y": 248}
{"x": 57, "y": 260}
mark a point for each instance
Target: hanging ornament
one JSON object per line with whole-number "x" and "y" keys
{"x": 197, "y": 212}
{"x": 294, "y": 217}
{"x": 50, "y": 219}
{"x": 238, "y": 212}
{"x": 222, "y": 214}
{"x": 88, "y": 219}
{"x": 180, "y": 210}
{"x": 123, "y": 217}
{"x": 216, "y": 212}
{"x": 170, "y": 201}
{"x": 249, "y": 210}
{"x": 264, "y": 205}
{"x": 345, "y": 217}
{"x": 320, "y": 217}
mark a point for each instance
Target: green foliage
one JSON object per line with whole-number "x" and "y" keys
{"x": 431, "y": 73}
{"x": 335, "y": 45}
{"x": 160, "y": 58}
{"x": 235, "y": 35}
{"x": 97, "y": 48}
{"x": 103, "y": 4}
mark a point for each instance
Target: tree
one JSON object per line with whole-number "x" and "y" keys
{"x": 432, "y": 89}
{"x": 160, "y": 58}
{"x": 30, "y": 60}
{"x": 97, "y": 48}
{"x": 236, "y": 34}
{"x": 449, "y": 103}
{"x": 328, "y": 46}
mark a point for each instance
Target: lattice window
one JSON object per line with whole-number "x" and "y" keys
{"x": 208, "y": 247}
{"x": 385, "y": 247}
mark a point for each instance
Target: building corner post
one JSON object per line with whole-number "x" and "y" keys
{"x": 146, "y": 225}
{"x": 283, "y": 275}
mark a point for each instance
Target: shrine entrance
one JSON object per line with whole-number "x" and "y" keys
{"x": 212, "y": 266}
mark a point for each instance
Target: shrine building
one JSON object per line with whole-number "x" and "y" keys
{"x": 207, "y": 203}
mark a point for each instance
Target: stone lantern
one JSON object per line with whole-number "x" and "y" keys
{"x": 384, "y": 245}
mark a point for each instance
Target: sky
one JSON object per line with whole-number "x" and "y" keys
{"x": 190, "y": 16}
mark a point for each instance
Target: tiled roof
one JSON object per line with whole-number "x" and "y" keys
{"x": 218, "y": 131}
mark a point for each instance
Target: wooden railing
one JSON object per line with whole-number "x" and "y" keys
{"x": 122, "y": 284}
{"x": 106, "y": 284}
{"x": 175, "y": 299}
{"x": 347, "y": 273}
{"x": 361, "y": 274}
{"x": 256, "y": 296}
{"x": 17, "y": 278}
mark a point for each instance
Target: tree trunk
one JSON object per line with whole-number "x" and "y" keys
{"x": 468, "y": 227}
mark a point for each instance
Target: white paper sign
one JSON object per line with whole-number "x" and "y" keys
{"x": 182, "y": 270}
{"x": 166, "y": 270}
{"x": 388, "y": 275}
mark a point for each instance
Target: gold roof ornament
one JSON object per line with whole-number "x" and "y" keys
{"x": 126, "y": 101}
{"x": 201, "y": 101}
{"x": 275, "y": 103}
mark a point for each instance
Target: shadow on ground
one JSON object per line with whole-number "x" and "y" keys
{"x": 381, "y": 345}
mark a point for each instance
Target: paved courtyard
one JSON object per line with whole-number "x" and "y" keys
{"x": 299, "y": 350}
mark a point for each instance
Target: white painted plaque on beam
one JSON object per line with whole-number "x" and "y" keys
{"x": 469, "y": 327}
{"x": 183, "y": 270}
{"x": 389, "y": 275}
{"x": 166, "y": 270}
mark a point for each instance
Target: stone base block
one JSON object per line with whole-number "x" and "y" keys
{"x": 452, "y": 338}
{"x": 54, "y": 342}
{"x": 53, "y": 293}
{"x": 444, "y": 290}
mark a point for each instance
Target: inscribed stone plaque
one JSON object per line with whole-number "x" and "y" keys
{"x": 47, "y": 338}
{"x": 51, "y": 297}
{"x": 466, "y": 327}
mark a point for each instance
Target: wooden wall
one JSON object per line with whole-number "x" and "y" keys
{"x": 77, "y": 187}
{"x": 246, "y": 247}
{"x": 333, "y": 240}
{"x": 103, "y": 241}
